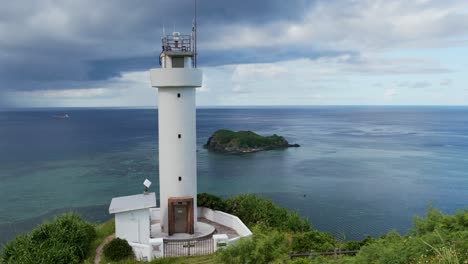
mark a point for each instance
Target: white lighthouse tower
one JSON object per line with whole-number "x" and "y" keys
{"x": 176, "y": 81}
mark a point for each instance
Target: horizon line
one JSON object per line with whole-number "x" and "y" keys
{"x": 224, "y": 106}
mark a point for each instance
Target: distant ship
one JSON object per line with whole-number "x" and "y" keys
{"x": 65, "y": 116}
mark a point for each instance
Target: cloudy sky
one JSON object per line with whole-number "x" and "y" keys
{"x": 264, "y": 52}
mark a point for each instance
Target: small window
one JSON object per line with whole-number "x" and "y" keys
{"x": 180, "y": 178}
{"x": 177, "y": 62}
{"x": 178, "y": 95}
{"x": 179, "y": 136}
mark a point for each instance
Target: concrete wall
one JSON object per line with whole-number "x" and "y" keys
{"x": 166, "y": 61}
{"x": 225, "y": 219}
{"x": 157, "y": 247}
{"x": 142, "y": 252}
{"x": 155, "y": 213}
{"x": 176, "y": 77}
{"x": 177, "y": 156}
{"x": 134, "y": 226}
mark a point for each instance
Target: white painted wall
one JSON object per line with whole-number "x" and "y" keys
{"x": 157, "y": 247}
{"x": 142, "y": 252}
{"x": 166, "y": 61}
{"x": 177, "y": 156}
{"x": 225, "y": 219}
{"x": 155, "y": 213}
{"x": 220, "y": 241}
{"x": 134, "y": 226}
{"x": 176, "y": 77}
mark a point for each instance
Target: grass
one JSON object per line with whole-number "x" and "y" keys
{"x": 102, "y": 231}
{"x": 210, "y": 259}
{"x": 445, "y": 254}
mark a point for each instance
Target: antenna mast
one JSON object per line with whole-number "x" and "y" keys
{"x": 195, "y": 37}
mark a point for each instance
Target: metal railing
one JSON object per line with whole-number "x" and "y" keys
{"x": 188, "y": 247}
{"x": 177, "y": 43}
{"x": 335, "y": 253}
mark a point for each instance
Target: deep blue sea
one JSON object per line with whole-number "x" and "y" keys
{"x": 359, "y": 171}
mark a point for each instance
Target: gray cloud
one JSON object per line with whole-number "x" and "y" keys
{"x": 45, "y": 43}
{"x": 81, "y": 44}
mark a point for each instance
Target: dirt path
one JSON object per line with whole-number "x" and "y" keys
{"x": 97, "y": 258}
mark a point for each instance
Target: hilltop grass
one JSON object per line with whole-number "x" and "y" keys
{"x": 437, "y": 238}
{"x": 180, "y": 260}
{"x": 102, "y": 231}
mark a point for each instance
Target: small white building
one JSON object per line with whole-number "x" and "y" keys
{"x": 132, "y": 217}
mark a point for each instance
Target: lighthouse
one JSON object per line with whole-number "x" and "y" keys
{"x": 176, "y": 81}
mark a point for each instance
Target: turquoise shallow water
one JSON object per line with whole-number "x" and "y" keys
{"x": 359, "y": 171}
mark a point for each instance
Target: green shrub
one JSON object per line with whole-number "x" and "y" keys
{"x": 18, "y": 250}
{"x": 118, "y": 249}
{"x": 66, "y": 239}
{"x": 265, "y": 246}
{"x": 357, "y": 244}
{"x": 211, "y": 201}
{"x": 254, "y": 210}
{"x": 313, "y": 240}
{"x": 435, "y": 220}
{"x": 300, "y": 261}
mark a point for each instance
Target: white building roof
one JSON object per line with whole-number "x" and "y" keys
{"x": 132, "y": 203}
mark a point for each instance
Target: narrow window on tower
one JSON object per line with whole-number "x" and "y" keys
{"x": 178, "y": 95}
{"x": 179, "y": 136}
{"x": 180, "y": 178}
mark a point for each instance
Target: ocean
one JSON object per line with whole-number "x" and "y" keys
{"x": 359, "y": 171}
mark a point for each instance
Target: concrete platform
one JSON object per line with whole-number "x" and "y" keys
{"x": 203, "y": 230}
{"x": 220, "y": 229}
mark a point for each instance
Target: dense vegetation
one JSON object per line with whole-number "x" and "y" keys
{"x": 437, "y": 238}
{"x": 67, "y": 239}
{"x": 211, "y": 201}
{"x": 256, "y": 211}
{"x": 244, "y": 141}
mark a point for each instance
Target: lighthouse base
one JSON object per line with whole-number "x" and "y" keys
{"x": 203, "y": 230}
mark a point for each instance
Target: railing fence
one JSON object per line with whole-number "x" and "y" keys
{"x": 188, "y": 247}
{"x": 335, "y": 253}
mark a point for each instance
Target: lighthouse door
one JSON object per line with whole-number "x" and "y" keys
{"x": 180, "y": 218}
{"x": 180, "y": 215}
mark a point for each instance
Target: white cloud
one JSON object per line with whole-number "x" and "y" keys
{"x": 390, "y": 94}
{"x": 359, "y": 26}
{"x": 254, "y": 71}
{"x": 68, "y": 93}
{"x": 446, "y": 82}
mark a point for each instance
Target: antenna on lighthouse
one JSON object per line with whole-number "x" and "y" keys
{"x": 195, "y": 37}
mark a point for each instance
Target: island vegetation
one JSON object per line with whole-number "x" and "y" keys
{"x": 437, "y": 238}
{"x": 228, "y": 141}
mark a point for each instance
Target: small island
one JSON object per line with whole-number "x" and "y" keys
{"x": 228, "y": 141}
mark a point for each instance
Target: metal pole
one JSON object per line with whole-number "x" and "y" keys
{"x": 195, "y": 44}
